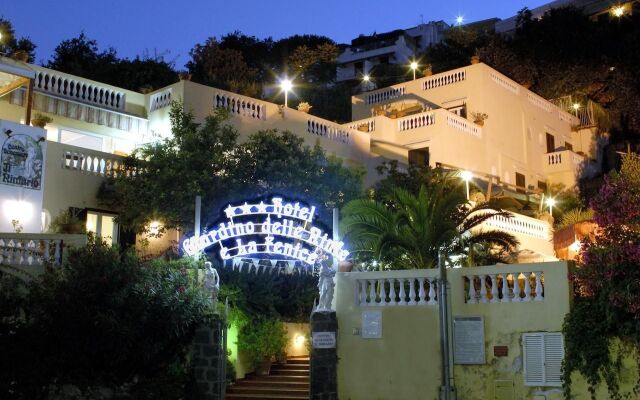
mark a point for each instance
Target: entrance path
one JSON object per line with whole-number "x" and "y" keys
{"x": 288, "y": 381}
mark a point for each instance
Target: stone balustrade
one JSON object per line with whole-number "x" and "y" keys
{"x": 518, "y": 224}
{"x": 464, "y": 125}
{"x": 83, "y": 91}
{"x": 444, "y": 79}
{"x": 159, "y": 100}
{"x": 385, "y": 95}
{"x": 416, "y": 121}
{"x": 92, "y": 163}
{"x": 505, "y": 82}
{"x": 363, "y": 125}
{"x": 563, "y": 160}
{"x": 328, "y": 130}
{"x": 397, "y": 288}
{"x": 240, "y": 105}
{"x": 503, "y": 287}
{"x": 24, "y": 249}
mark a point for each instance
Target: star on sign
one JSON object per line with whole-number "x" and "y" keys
{"x": 230, "y": 211}
{"x": 262, "y": 208}
{"x": 247, "y": 208}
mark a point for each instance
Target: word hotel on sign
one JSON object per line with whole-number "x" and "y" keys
{"x": 277, "y": 207}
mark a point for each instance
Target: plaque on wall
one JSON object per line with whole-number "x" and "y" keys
{"x": 468, "y": 340}
{"x": 372, "y": 324}
{"x": 323, "y": 340}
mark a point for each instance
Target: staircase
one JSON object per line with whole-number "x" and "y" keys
{"x": 288, "y": 381}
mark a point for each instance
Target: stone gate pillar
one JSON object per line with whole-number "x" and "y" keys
{"x": 209, "y": 360}
{"x": 324, "y": 356}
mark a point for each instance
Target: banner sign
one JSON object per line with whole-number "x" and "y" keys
{"x": 285, "y": 229}
{"x": 22, "y": 160}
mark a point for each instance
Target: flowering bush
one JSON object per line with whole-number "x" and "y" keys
{"x": 607, "y": 283}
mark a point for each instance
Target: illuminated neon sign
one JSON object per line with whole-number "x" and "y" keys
{"x": 291, "y": 221}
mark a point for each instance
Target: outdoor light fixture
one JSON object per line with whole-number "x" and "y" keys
{"x": 366, "y": 78}
{"x": 414, "y": 67}
{"x": 617, "y": 11}
{"x": 286, "y": 85}
{"x": 551, "y": 202}
{"x": 299, "y": 340}
{"x": 459, "y": 19}
{"x": 576, "y": 106}
{"x": 466, "y": 176}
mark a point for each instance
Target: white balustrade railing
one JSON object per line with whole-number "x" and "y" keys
{"x": 568, "y": 118}
{"x": 416, "y": 121}
{"x": 504, "y": 287}
{"x": 240, "y": 105}
{"x": 385, "y": 290}
{"x": 505, "y": 82}
{"x": 518, "y": 224}
{"x": 328, "y": 130}
{"x": 554, "y": 158}
{"x": 29, "y": 251}
{"x": 91, "y": 163}
{"x": 444, "y": 79}
{"x": 77, "y": 89}
{"x": 159, "y": 100}
{"x": 539, "y": 102}
{"x": 464, "y": 125}
{"x": 385, "y": 94}
{"x": 363, "y": 125}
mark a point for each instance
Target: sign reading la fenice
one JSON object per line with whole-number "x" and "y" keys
{"x": 283, "y": 229}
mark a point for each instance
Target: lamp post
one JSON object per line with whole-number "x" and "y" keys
{"x": 467, "y": 176}
{"x": 551, "y": 202}
{"x": 459, "y": 20}
{"x": 414, "y": 67}
{"x": 617, "y": 11}
{"x": 286, "y": 86}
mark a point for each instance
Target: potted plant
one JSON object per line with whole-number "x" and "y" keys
{"x": 184, "y": 76}
{"x": 263, "y": 341}
{"x": 40, "y": 120}
{"x": 428, "y": 71}
{"x": 65, "y": 222}
{"x": 345, "y": 266}
{"x": 475, "y": 59}
{"x": 20, "y": 55}
{"x": 304, "y": 107}
{"x": 478, "y": 117}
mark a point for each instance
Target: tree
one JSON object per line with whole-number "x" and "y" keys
{"x": 223, "y": 68}
{"x": 607, "y": 284}
{"x": 409, "y": 230}
{"x": 160, "y": 181}
{"x": 81, "y": 56}
{"x": 11, "y": 45}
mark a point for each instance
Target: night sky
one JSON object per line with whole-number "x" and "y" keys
{"x": 173, "y": 27}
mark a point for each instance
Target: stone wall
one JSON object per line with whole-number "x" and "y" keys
{"x": 324, "y": 362}
{"x": 208, "y": 360}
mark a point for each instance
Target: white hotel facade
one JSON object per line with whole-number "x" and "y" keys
{"x": 525, "y": 143}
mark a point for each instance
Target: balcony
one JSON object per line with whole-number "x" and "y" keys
{"x": 563, "y": 166}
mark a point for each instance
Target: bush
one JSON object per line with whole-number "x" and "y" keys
{"x": 264, "y": 338}
{"x": 105, "y": 319}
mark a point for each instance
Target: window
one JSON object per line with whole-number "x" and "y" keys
{"x": 520, "y": 182}
{"x": 551, "y": 143}
{"x": 419, "y": 157}
{"x": 359, "y": 68}
{"x": 568, "y": 146}
{"x": 103, "y": 226}
{"x": 542, "y": 358}
{"x": 542, "y": 185}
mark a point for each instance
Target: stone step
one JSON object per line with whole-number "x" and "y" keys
{"x": 280, "y": 378}
{"x": 291, "y": 372}
{"x": 272, "y": 383}
{"x": 301, "y": 360}
{"x": 264, "y": 397}
{"x": 241, "y": 389}
{"x": 290, "y": 366}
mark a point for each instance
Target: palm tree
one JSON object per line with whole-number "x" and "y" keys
{"x": 408, "y": 230}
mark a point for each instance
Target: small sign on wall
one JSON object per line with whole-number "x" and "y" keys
{"x": 500, "y": 351}
{"x": 468, "y": 340}
{"x": 372, "y": 324}
{"x": 324, "y": 340}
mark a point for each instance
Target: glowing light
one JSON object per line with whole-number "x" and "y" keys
{"x": 617, "y": 11}
{"x": 154, "y": 227}
{"x": 551, "y": 202}
{"x": 366, "y": 78}
{"x": 286, "y": 85}
{"x": 466, "y": 175}
{"x": 299, "y": 340}
{"x": 18, "y": 210}
{"x": 459, "y": 19}
{"x": 576, "y": 106}
{"x": 414, "y": 65}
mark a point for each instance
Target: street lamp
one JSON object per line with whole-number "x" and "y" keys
{"x": 466, "y": 176}
{"x": 459, "y": 20}
{"x": 551, "y": 202}
{"x": 286, "y": 85}
{"x": 414, "y": 67}
{"x": 617, "y": 11}
{"x": 366, "y": 78}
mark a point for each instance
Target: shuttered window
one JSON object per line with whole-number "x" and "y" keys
{"x": 543, "y": 355}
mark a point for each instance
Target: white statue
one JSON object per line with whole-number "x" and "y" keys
{"x": 211, "y": 281}
{"x": 325, "y": 285}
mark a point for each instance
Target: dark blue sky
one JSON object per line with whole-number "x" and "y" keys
{"x": 133, "y": 26}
